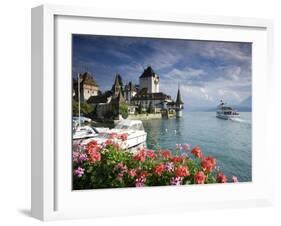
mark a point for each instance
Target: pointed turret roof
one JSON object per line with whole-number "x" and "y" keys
{"x": 148, "y": 72}
{"x": 87, "y": 78}
{"x": 117, "y": 83}
{"x": 178, "y": 100}
{"x": 130, "y": 87}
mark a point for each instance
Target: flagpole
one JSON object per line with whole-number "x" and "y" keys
{"x": 79, "y": 123}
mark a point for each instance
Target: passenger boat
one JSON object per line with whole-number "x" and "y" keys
{"x": 226, "y": 112}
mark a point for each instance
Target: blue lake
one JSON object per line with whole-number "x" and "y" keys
{"x": 229, "y": 141}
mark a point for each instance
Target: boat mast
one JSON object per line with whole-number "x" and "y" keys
{"x": 78, "y": 79}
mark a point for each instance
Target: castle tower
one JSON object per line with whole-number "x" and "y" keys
{"x": 179, "y": 105}
{"x": 130, "y": 91}
{"x": 149, "y": 80}
{"x": 117, "y": 87}
{"x": 88, "y": 86}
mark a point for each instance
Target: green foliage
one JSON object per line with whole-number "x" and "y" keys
{"x": 87, "y": 110}
{"x": 123, "y": 110}
{"x": 150, "y": 108}
{"x": 110, "y": 166}
{"x": 104, "y": 173}
{"x": 140, "y": 108}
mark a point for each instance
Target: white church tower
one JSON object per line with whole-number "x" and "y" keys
{"x": 149, "y": 80}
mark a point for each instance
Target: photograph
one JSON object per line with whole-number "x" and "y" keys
{"x": 160, "y": 112}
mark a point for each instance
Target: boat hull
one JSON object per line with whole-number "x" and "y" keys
{"x": 133, "y": 142}
{"x": 227, "y": 117}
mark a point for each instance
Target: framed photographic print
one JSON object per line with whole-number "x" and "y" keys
{"x": 135, "y": 112}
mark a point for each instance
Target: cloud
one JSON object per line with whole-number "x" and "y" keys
{"x": 225, "y": 50}
{"x": 206, "y": 71}
{"x": 184, "y": 74}
{"x": 231, "y": 72}
{"x": 162, "y": 57}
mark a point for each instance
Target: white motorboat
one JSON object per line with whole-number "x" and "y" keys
{"x": 136, "y": 136}
{"x": 83, "y": 132}
{"x": 226, "y": 112}
{"x": 81, "y": 119}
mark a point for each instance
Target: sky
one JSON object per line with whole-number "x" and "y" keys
{"x": 206, "y": 71}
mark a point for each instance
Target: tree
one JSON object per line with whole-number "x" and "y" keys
{"x": 87, "y": 110}
{"x": 139, "y": 109}
{"x": 123, "y": 110}
{"x": 150, "y": 108}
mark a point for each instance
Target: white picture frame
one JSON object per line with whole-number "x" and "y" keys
{"x": 52, "y": 197}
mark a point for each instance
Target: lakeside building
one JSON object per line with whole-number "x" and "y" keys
{"x": 149, "y": 97}
{"x": 130, "y": 91}
{"x": 117, "y": 85}
{"x": 152, "y": 102}
{"x": 88, "y": 87}
{"x": 179, "y": 105}
{"x": 108, "y": 104}
{"x": 149, "y": 80}
{"x": 144, "y": 97}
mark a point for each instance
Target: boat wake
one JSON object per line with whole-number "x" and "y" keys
{"x": 241, "y": 120}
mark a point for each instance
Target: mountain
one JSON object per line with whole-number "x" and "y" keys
{"x": 247, "y": 102}
{"x": 245, "y": 105}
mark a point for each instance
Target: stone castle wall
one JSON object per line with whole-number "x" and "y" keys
{"x": 145, "y": 116}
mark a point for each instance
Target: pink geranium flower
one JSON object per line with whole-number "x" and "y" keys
{"x": 234, "y": 179}
{"x": 79, "y": 172}
{"x": 186, "y": 147}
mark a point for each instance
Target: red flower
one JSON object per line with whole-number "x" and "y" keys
{"x": 221, "y": 178}
{"x": 108, "y": 142}
{"x": 95, "y": 156}
{"x": 208, "y": 164}
{"x": 140, "y": 156}
{"x": 196, "y": 151}
{"x": 132, "y": 172}
{"x": 143, "y": 174}
{"x": 150, "y": 154}
{"x": 113, "y": 135}
{"x": 159, "y": 169}
{"x": 91, "y": 145}
{"x": 182, "y": 171}
{"x": 166, "y": 154}
{"x": 177, "y": 159}
{"x": 123, "y": 136}
{"x": 200, "y": 177}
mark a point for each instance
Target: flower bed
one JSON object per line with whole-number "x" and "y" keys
{"x": 109, "y": 166}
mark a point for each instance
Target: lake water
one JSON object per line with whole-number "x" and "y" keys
{"x": 229, "y": 141}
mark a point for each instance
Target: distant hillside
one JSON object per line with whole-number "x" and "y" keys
{"x": 245, "y": 105}
{"x": 247, "y": 102}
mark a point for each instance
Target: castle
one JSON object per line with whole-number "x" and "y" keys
{"x": 88, "y": 87}
{"x": 149, "y": 81}
{"x": 145, "y": 97}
